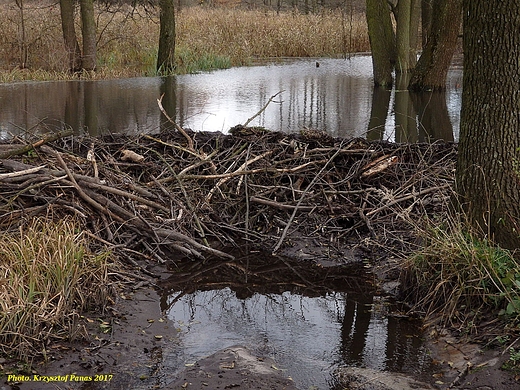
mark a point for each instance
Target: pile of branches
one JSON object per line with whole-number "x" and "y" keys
{"x": 186, "y": 193}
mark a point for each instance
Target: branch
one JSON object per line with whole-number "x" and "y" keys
{"x": 180, "y": 129}
{"x": 262, "y": 109}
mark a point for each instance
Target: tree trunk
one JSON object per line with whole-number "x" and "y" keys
{"x": 408, "y": 13}
{"x": 488, "y": 167}
{"x": 426, "y": 20}
{"x": 88, "y": 30}
{"x": 166, "y": 54}
{"x": 432, "y": 68}
{"x": 69, "y": 34}
{"x": 382, "y": 41}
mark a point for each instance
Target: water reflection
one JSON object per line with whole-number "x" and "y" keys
{"x": 337, "y": 97}
{"x": 311, "y": 320}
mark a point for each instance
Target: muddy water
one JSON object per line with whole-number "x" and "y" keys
{"x": 309, "y": 319}
{"x": 337, "y": 96}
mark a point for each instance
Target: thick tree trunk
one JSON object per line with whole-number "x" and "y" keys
{"x": 382, "y": 41}
{"x": 432, "y": 68}
{"x": 426, "y": 20}
{"x": 488, "y": 168}
{"x": 166, "y": 54}
{"x": 88, "y": 30}
{"x": 69, "y": 34}
{"x": 407, "y": 34}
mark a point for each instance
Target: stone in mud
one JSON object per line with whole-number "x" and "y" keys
{"x": 233, "y": 368}
{"x": 354, "y": 378}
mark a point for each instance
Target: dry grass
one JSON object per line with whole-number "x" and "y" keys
{"x": 207, "y": 38}
{"x": 242, "y": 35}
{"x": 48, "y": 277}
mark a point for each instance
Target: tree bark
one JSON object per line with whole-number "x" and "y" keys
{"x": 69, "y": 34}
{"x": 166, "y": 54}
{"x": 382, "y": 41}
{"x": 432, "y": 68}
{"x": 88, "y": 30}
{"x": 407, "y": 33}
{"x": 488, "y": 167}
{"x": 426, "y": 20}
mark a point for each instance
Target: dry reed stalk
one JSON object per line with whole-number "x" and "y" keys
{"x": 206, "y": 38}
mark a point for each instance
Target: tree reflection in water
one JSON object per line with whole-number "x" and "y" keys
{"x": 310, "y": 319}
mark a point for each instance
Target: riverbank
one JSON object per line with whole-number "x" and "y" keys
{"x": 206, "y": 38}
{"x": 159, "y": 199}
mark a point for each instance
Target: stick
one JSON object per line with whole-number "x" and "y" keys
{"x": 262, "y": 109}
{"x": 403, "y": 198}
{"x": 46, "y": 139}
{"x": 243, "y": 166}
{"x": 286, "y": 229}
{"x": 21, "y": 173}
{"x": 180, "y": 129}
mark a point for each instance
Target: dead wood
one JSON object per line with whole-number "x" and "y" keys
{"x": 263, "y": 187}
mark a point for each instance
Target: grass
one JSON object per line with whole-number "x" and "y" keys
{"x": 460, "y": 277}
{"x": 48, "y": 278}
{"x": 207, "y": 38}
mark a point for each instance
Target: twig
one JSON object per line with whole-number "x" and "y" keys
{"x": 262, "y": 109}
{"x": 286, "y": 229}
{"x": 180, "y": 129}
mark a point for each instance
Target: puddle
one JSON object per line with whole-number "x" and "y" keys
{"x": 309, "y": 319}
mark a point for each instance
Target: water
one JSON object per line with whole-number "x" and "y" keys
{"x": 311, "y": 320}
{"x": 337, "y": 97}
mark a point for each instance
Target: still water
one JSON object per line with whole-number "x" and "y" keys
{"x": 310, "y": 320}
{"x": 337, "y": 97}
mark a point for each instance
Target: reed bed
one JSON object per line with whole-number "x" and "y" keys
{"x": 49, "y": 277}
{"x": 207, "y": 38}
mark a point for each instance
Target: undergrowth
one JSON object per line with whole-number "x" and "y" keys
{"x": 460, "y": 277}
{"x": 48, "y": 277}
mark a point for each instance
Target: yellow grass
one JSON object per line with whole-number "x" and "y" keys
{"x": 206, "y": 38}
{"x": 48, "y": 277}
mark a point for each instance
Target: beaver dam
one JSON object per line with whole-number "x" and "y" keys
{"x": 163, "y": 197}
{"x": 187, "y": 203}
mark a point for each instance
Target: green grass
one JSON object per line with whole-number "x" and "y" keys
{"x": 49, "y": 276}
{"x": 459, "y": 276}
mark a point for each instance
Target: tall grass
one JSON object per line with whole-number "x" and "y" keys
{"x": 459, "y": 277}
{"x": 207, "y": 38}
{"x": 48, "y": 276}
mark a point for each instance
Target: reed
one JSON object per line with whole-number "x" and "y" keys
{"x": 49, "y": 276}
{"x": 207, "y": 38}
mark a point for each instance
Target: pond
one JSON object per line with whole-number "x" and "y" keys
{"x": 310, "y": 319}
{"x": 337, "y": 96}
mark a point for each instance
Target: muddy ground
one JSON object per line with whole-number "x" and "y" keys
{"x": 130, "y": 356}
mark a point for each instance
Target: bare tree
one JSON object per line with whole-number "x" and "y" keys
{"x": 166, "y": 54}
{"x": 432, "y": 68}
{"x": 382, "y": 41}
{"x": 88, "y": 30}
{"x": 69, "y": 34}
